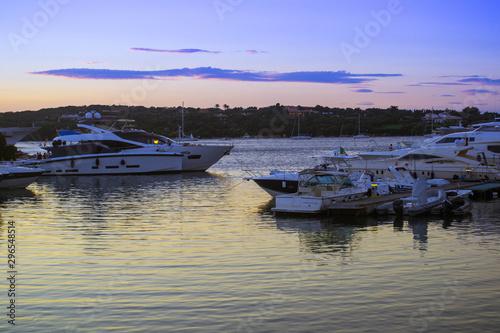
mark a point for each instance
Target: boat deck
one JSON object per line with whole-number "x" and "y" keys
{"x": 365, "y": 207}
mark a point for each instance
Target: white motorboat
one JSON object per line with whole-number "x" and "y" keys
{"x": 277, "y": 182}
{"x": 319, "y": 191}
{"x": 106, "y": 150}
{"x": 421, "y": 201}
{"x": 14, "y": 177}
{"x": 397, "y": 179}
{"x": 15, "y": 134}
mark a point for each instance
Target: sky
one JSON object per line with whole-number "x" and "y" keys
{"x": 414, "y": 54}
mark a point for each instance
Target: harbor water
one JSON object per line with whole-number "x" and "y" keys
{"x": 203, "y": 252}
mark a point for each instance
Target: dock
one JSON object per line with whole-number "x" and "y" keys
{"x": 485, "y": 191}
{"x": 365, "y": 207}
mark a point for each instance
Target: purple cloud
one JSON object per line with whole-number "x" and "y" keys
{"x": 482, "y": 81}
{"x": 366, "y": 103}
{"x": 447, "y": 95}
{"x": 455, "y": 76}
{"x": 183, "y": 51}
{"x": 391, "y": 92}
{"x": 443, "y": 83}
{"x": 363, "y": 90}
{"x": 209, "y": 73}
{"x": 479, "y": 91}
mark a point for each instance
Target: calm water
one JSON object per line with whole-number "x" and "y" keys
{"x": 202, "y": 252}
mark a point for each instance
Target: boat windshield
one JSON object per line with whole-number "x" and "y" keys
{"x": 142, "y": 137}
{"x": 330, "y": 180}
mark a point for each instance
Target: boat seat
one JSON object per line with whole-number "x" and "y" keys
{"x": 304, "y": 190}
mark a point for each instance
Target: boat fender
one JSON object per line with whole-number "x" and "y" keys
{"x": 283, "y": 184}
{"x": 72, "y": 163}
{"x": 122, "y": 162}
{"x": 97, "y": 161}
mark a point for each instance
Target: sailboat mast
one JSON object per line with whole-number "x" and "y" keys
{"x": 182, "y": 123}
{"x": 298, "y": 124}
{"x": 359, "y": 124}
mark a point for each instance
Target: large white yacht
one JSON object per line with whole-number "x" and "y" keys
{"x": 99, "y": 149}
{"x": 473, "y": 155}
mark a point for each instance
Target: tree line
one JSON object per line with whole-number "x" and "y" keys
{"x": 271, "y": 121}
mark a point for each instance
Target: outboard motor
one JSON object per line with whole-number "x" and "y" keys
{"x": 447, "y": 208}
{"x": 397, "y": 205}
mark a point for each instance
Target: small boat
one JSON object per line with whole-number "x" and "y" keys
{"x": 359, "y": 135}
{"x": 458, "y": 206}
{"x": 277, "y": 182}
{"x": 300, "y": 136}
{"x": 422, "y": 201}
{"x": 283, "y": 182}
{"x": 319, "y": 191}
{"x": 13, "y": 177}
{"x": 457, "y": 202}
{"x": 182, "y": 137}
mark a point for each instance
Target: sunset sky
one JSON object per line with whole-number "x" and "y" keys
{"x": 339, "y": 53}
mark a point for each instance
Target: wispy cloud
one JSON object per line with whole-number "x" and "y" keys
{"x": 482, "y": 81}
{"x": 189, "y": 51}
{"x": 390, "y": 92}
{"x": 254, "y": 52}
{"x": 182, "y": 51}
{"x": 479, "y": 91}
{"x": 455, "y": 76}
{"x": 442, "y": 83}
{"x": 209, "y": 73}
{"x": 366, "y": 103}
{"x": 90, "y": 62}
{"x": 447, "y": 95}
{"x": 363, "y": 90}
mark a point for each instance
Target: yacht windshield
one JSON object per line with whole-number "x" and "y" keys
{"x": 142, "y": 137}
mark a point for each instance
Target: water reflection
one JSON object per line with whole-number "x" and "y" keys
{"x": 104, "y": 209}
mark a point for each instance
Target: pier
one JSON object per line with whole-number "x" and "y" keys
{"x": 485, "y": 191}
{"x": 366, "y": 207}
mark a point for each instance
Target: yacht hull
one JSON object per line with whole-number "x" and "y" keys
{"x": 109, "y": 164}
{"x": 448, "y": 171}
{"x": 199, "y": 157}
{"x": 297, "y": 203}
{"x": 17, "y": 177}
